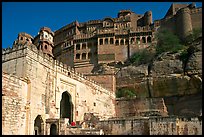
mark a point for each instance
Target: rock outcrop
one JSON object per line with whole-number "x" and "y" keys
{"x": 168, "y": 76}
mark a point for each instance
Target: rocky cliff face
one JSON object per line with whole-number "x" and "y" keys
{"x": 169, "y": 77}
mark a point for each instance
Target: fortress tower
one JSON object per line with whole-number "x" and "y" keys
{"x": 183, "y": 22}
{"x": 44, "y": 40}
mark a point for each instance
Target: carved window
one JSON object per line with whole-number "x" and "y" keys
{"x": 84, "y": 46}
{"x": 121, "y": 42}
{"x": 78, "y": 47}
{"x": 143, "y": 40}
{"x": 126, "y": 42}
{"x": 117, "y": 42}
{"x": 101, "y": 41}
{"x": 83, "y": 56}
{"x": 77, "y": 56}
{"x": 111, "y": 41}
{"x": 149, "y": 39}
{"x": 45, "y": 46}
{"x": 106, "y": 41}
{"x": 138, "y": 40}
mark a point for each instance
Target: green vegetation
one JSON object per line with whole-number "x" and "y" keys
{"x": 193, "y": 36}
{"x": 167, "y": 41}
{"x": 184, "y": 55}
{"x": 142, "y": 57}
{"x": 125, "y": 92}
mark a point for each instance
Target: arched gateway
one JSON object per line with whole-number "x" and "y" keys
{"x": 66, "y": 106}
{"x": 38, "y": 125}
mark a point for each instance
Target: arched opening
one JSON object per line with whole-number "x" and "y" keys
{"x": 117, "y": 42}
{"x": 53, "y": 129}
{"x": 83, "y": 56}
{"x": 78, "y": 47}
{"x": 121, "y": 42}
{"x": 143, "y": 40}
{"x": 106, "y": 41}
{"x": 126, "y": 42}
{"x": 66, "y": 106}
{"x": 149, "y": 39}
{"x": 38, "y": 125}
{"x": 101, "y": 41}
{"x": 84, "y": 46}
{"x": 78, "y": 56}
{"x": 138, "y": 40}
{"x": 111, "y": 41}
{"x": 132, "y": 40}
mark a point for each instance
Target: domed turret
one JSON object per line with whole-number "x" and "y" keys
{"x": 44, "y": 40}
{"x": 23, "y": 38}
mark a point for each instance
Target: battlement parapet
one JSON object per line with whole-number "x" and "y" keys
{"x": 196, "y": 10}
{"x": 190, "y": 119}
{"x": 93, "y": 22}
{"x": 103, "y": 31}
{"x": 13, "y": 48}
{"x": 183, "y": 10}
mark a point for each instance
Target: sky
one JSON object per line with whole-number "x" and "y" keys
{"x": 29, "y": 17}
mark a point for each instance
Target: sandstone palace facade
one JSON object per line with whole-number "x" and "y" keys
{"x": 49, "y": 80}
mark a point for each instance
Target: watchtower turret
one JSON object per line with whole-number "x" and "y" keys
{"x": 44, "y": 40}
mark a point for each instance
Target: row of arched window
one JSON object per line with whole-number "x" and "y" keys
{"x": 84, "y": 56}
{"x": 108, "y": 41}
{"x": 125, "y": 41}
{"x": 83, "y": 46}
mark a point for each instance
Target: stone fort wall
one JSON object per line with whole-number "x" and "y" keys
{"x": 152, "y": 126}
{"x": 184, "y": 21}
{"x": 48, "y": 80}
{"x": 14, "y": 104}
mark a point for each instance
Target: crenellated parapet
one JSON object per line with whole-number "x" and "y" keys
{"x": 67, "y": 70}
{"x": 16, "y": 51}
{"x": 93, "y": 22}
{"x": 196, "y": 10}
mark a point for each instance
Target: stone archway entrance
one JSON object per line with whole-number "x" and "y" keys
{"x": 66, "y": 106}
{"x": 53, "y": 129}
{"x": 38, "y": 125}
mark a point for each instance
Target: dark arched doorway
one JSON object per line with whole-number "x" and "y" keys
{"x": 66, "y": 107}
{"x": 38, "y": 125}
{"x": 53, "y": 129}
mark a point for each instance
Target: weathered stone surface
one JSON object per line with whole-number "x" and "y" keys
{"x": 140, "y": 107}
{"x": 179, "y": 105}
{"x": 194, "y": 65}
{"x": 152, "y": 126}
{"x": 175, "y": 86}
{"x": 166, "y": 64}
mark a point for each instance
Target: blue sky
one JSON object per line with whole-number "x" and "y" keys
{"x": 29, "y": 17}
